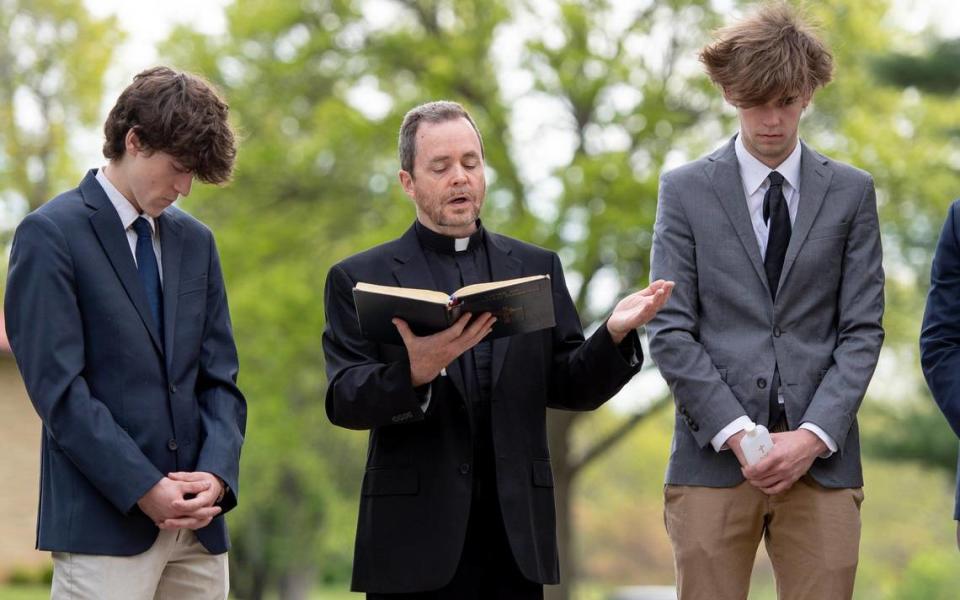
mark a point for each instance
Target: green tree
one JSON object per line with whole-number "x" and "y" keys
{"x": 52, "y": 65}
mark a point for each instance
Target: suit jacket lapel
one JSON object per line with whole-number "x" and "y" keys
{"x": 502, "y": 266}
{"x": 412, "y": 271}
{"x": 171, "y": 247}
{"x": 815, "y": 176}
{"x": 728, "y": 186}
{"x": 109, "y": 230}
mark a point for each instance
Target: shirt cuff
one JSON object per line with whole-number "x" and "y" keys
{"x": 424, "y": 394}
{"x": 633, "y": 360}
{"x": 719, "y": 441}
{"x": 831, "y": 445}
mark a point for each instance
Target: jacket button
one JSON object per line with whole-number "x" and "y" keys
{"x": 776, "y": 332}
{"x": 464, "y": 468}
{"x": 172, "y": 445}
{"x": 761, "y": 383}
{"x": 694, "y": 427}
{"x": 173, "y": 389}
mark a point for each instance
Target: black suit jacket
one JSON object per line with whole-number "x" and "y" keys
{"x": 119, "y": 411}
{"x": 415, "y": 498}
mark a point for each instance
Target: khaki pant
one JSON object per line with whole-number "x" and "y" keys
{"x": 176, "y": 567}
{"x": 812, "y": 534}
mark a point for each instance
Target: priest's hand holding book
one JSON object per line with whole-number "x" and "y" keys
{"x": 430, "y": 354}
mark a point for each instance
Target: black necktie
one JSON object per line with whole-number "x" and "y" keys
{"x": 777, "y": 217}
{"x": 149, "y": 271}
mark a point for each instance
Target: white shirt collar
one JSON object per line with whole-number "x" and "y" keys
{"x": 461, "y": 244}
{"x": 128, "y": 214}
{"x": 754, "y": 173}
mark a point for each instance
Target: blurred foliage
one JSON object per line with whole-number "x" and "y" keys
{"x": 934, "y": 71}
{"x": 910, "y": 431}
{"x": 52, "y": 65}
{"x": 32, "y": 576}
{"x": 930, "y": 575}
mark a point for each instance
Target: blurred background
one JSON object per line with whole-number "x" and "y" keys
{"x": 582, "y": 104}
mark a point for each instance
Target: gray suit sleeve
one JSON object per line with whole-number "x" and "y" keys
{"x": 859, "y": 329}
{"x": 45, "y": 326}
{"x": 703, "y": 400}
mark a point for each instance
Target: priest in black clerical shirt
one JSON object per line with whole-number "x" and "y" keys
{"x": 457, "y": 498}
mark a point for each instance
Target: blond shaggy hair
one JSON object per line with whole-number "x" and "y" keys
{"x": 770, "y": 54}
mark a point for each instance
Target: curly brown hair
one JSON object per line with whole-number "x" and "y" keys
{"x": 770, "y": 54}
{"x": 177, "y": 113}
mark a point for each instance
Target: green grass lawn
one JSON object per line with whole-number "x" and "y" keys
{"x": 24, "y": 592}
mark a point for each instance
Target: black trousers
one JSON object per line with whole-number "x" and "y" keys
{"x": 487, "y": 569}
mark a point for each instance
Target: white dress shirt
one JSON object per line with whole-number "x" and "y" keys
{"x": 754, "y": 176}
{"x": 128, "y": 214}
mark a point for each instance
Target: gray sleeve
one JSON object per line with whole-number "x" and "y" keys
{"x": 703, "y": 400}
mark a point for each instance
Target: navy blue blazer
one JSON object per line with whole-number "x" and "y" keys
{"x": 119, "y": 409}
{"x": 940, "y": 335}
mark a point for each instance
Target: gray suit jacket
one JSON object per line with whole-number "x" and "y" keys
{"x": 719, "y": 338}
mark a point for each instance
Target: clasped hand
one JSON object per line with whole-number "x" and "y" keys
{"x": 183, "y": 500}
{"x": 791, "y": 457}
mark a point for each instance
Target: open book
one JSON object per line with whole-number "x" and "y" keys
{"x": 521, "y": 305}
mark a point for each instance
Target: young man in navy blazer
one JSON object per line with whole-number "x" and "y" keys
{"x": 940, "y": 336}
{"x": 118, "y": 319}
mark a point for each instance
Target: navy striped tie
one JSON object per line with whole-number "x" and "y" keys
{"x": 149, "y": 271}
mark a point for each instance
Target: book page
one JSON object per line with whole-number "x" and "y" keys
{"x": 414, "y": 293}
{"x": 493, "y": 285}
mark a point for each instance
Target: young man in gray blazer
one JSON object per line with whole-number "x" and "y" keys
{"x": 776, "y": 320}
{"x": 118, "y": 319}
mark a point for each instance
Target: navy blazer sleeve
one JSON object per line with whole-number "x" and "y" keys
{"x": 45, "y": 328}
{"x": 223, "y": 408}
{"x": 940, "y": 334}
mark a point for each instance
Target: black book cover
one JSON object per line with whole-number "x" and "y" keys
{"x": 520, "y": 305}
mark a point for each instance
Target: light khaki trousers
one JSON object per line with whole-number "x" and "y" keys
{"x": 176, "y": 567}
{"x": 812, "y": 535}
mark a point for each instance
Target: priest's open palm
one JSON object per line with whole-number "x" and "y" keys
{"x": 638, "y": 308}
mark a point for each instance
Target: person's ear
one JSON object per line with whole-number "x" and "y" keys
{"x": 131, "y": 142}
{"x": 406, "y": 180}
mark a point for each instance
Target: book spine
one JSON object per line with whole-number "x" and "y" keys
{"x": 454, "y": 309}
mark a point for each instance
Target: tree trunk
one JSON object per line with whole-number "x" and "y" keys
{"x": 559, "y": 427}
{"x": 296, "y": 584}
